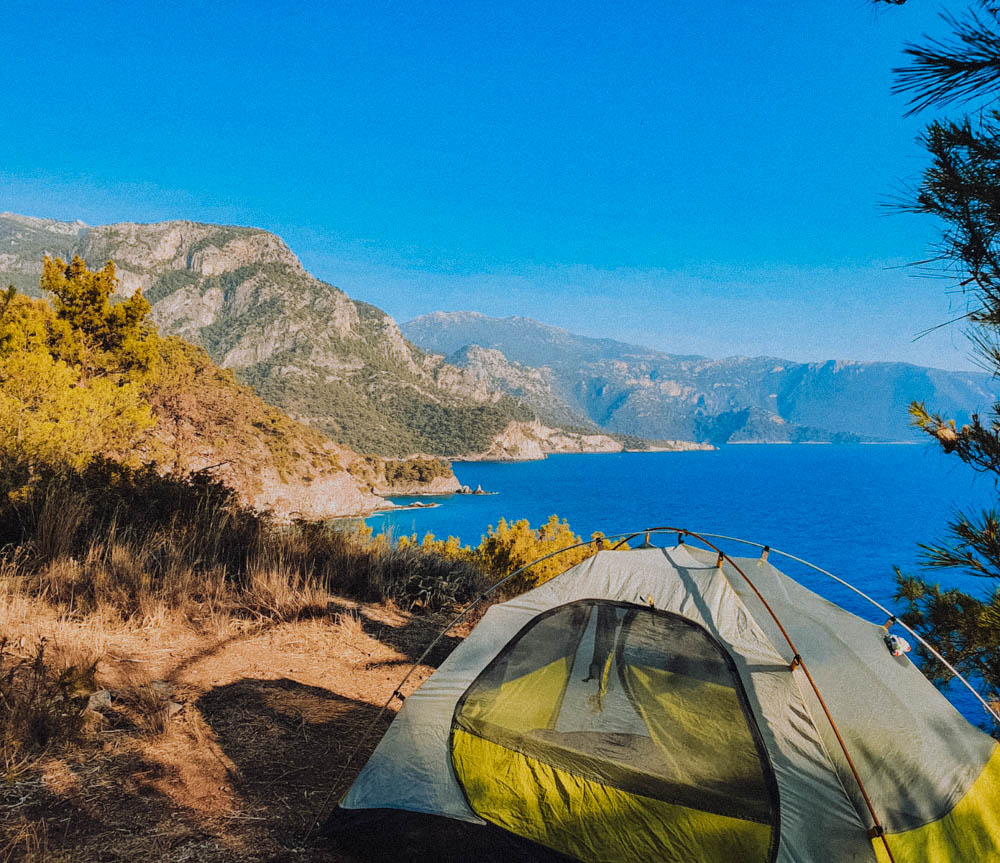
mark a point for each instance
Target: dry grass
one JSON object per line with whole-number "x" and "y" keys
{"x": 26, "y": 841}
{"x": 215, "y": 746}
{"x": 41, "y": 704}
{"x": 183, "y": 680}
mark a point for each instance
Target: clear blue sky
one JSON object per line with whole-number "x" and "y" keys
{"x": 700, "y": 177}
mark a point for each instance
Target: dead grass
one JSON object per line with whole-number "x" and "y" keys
{"x": 182, "y": 680}
{"x": 73, "y": 549}
{"x": 263, "y": 717}
{"x": 26, "y": 841}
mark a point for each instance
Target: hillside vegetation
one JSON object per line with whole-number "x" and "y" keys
{"x": 88, "y": 377}
{"x": 338, "y": 365}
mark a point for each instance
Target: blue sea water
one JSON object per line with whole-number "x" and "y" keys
{"x": 855, "y": 510}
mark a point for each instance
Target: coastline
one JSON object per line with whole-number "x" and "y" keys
{"x": 439, "y": 495}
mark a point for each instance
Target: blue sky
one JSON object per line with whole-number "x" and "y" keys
{"x": 701, "y": 178}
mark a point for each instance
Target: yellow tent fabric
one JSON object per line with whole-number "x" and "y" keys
{"x": 634, "y": 762}
{"x": 524, "y": 703}
{"x": 969, "y": 832}
{"x": 593, "y": 822}
{"x": 695, "y": 722}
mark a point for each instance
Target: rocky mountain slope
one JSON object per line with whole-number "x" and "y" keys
{"x": 527, "y": 441}
{"x": 630, "y": 389}
{"x": 206, "y": 421}
{"x": 538, "y": 389}
{"x": 338, "y": 365}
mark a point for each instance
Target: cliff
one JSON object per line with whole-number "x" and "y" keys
{"x": 530, "y": 441}
{"x": 334, "y": 363}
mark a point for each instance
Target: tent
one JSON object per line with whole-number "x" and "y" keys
{"x": 671, "y": 704}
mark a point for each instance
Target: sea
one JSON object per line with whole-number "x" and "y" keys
{"x": 858, "y": 511}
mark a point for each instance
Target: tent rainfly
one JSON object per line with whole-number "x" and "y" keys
{"x": 679, "y": 706}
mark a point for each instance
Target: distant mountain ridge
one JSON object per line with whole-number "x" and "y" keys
{"x": 630, "y": 389}
{"x": 451, "y": 384}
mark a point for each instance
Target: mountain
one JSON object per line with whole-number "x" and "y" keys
{"x": 535, "y": 388}
{"x": 629, "y": 389}
{"x": 24, "y": 241}
{"x": 336, "y": 364}
{"x": 206, "y": 421}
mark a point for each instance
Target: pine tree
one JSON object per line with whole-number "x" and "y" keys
{"x": 961, "y": 187}
{"x": 109, "y": 337}
{"x": 72, "y": 378}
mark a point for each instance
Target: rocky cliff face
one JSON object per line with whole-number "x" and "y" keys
{"x": 336, "y": 364}
{"x": 536, "y": 388}
{"x": 632, "y": 390}
{"x": 530, "y": 441}
{"x": 25, "y": 241}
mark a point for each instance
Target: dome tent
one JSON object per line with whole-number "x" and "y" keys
{"x": 675, "y": 705}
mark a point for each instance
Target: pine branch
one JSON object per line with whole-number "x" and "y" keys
{"x": 943, "y": 73}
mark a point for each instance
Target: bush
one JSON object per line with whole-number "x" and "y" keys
{"x": 508, "y": 547}
{"x": 511, "y": 546}
{"x": 415, "y": 470}
{"x": 129, "y": 538}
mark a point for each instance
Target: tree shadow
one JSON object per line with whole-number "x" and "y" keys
{"x": 285, "y": 753}
{"x": 409, "y": 639}
{"x": 129, "y": 818}
{"x": 288, "y": 751}
{"x": 295, "y": 750}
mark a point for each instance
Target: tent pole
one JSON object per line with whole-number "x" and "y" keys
{"x": 397, "y": 693}
{"x": 892, "y": 617}
{"x": 797, "y": 661}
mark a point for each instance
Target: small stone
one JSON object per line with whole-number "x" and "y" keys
{"x": 173, "y": 708}
{"x": 99, "y": 699}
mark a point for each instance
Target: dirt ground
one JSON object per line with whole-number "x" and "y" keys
{"x": 264, "y": 719}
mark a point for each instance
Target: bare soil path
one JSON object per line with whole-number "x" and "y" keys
{"x": 263, "y": 718}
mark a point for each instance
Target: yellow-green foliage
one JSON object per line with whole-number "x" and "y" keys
{"x": 106, "y": 337}
{"x": 51, "y": 412}
{"x": 450, "y": 548}
{"x": 510, "y": 546}
{"x": 87, "y": 376}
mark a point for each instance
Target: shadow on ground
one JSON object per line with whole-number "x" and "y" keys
{"x": 291, "y": 746}
{"x": 409, "y": 639}
{"x": 106, "y": 812}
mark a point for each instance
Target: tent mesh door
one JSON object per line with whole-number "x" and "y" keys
{"x": 608, "y": 731}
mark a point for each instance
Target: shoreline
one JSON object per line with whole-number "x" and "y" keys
{"x": 442, "y": 496}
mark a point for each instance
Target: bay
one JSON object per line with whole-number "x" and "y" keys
{"x": 855, "y": 510}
